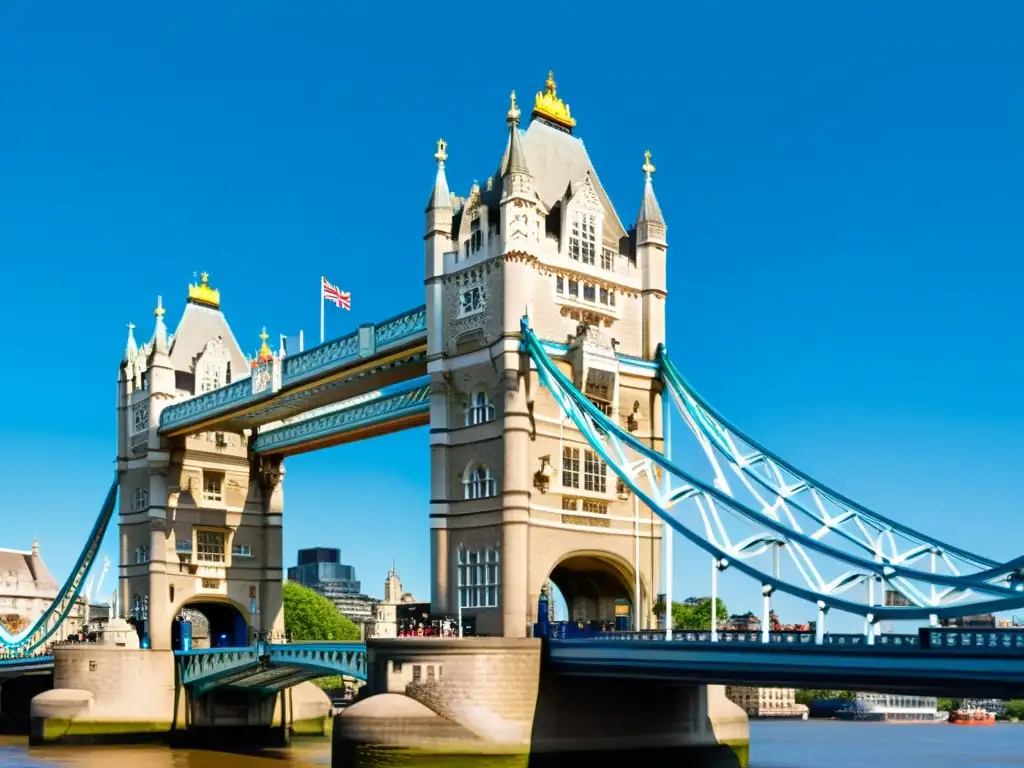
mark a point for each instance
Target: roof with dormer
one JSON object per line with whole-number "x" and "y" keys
{"x": 25, "y": 574}
{"x": 558, "y": 163}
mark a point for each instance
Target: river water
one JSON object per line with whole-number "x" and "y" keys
{"x": 813, "y": 744}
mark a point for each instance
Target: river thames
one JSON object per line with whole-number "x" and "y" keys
{"x": 772, "y": 745}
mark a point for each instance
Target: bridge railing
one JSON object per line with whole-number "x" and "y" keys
{"x": 752, "y": 638}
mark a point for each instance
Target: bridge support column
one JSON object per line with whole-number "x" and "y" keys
{"x": 270, "y": 607}
{"x": 497, "y": 696}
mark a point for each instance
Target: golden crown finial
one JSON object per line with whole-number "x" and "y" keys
{"x": 264, "y": 354}
{"x": 647, "y": 167}
{"x": 441, "y": 155}
{"x": 202, "y": 293}
{"x": 159, "y": 311}
{"x": 513, "y": 110}
{"x": 549, "y": 107}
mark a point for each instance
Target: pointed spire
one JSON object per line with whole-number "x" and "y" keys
{"x": 440, "y": 197}
{"x": 516, "y": 161}
{"x": 160, "y": 334}
{"x": 650, "y": 211}
{"x": 131, "y": 349}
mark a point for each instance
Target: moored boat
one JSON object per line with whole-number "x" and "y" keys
{"x": 972, "y": 717}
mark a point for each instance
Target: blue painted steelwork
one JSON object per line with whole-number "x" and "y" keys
{"x": 852, "y": 666}
{"x": 408, "y": 400}
{"x": 35, "y": 637}
{"x": 319, "y": 362}
{"x": 15, "y": 666}
{"x": 640, "y": 475}
{"x": 267, "y": 667}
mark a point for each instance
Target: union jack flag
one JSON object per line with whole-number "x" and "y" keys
{"x": 335, "y": 295}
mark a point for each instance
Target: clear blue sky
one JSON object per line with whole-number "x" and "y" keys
{"x": 842, "y": 185}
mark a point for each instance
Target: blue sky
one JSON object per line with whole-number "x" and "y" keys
{"x": 841, "y": 184}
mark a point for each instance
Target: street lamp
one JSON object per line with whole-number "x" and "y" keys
{"x": 542, "y": 477}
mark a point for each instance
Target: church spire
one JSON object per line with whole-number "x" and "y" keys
{"x": 516, "y": 162}
{"x": 440, "y": 197}
{"x": 650, "y": 211}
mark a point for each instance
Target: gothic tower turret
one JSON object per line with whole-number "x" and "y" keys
{"x": 651, "y": 248}
{"x": 438, "y": 242}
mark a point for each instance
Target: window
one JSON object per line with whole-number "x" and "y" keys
{"x": 472, "y": 301}
{"x": 559, "y": 285}
{"x": 574, "y": 288}
{"x": 583, "y": 237}
{"x": 210, "y": 546}
{"x": 589, "y": 292}
{"x": 480, "y": 409}
{"x": 603, "y": 294}
{"x": 570, "y": 467}
{"x": 607, "y": 259}
{"x": 479, "y": 483}
{"x": 417, "y": 673}
{"x": 595, "y": 473}
{"x": 140, "y": 417}
{"x": 141, "y": 555}
{"x": 241, "y": 550}
{"x": 585, "y": 512}
{"x": 478, "y": 577}
{"x": 476, "y": 237}
{"x": 140, "y": 499}
{"x": 213, "y": 484}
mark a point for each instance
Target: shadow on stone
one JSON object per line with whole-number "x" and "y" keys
{"x": 16, "y": 701}
{"x": 608, "y": 720}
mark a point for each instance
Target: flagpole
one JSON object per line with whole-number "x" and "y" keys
{"x": 321, "y": 309}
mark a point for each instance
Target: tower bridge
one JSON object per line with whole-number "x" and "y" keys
{"x": 539, "y": 363}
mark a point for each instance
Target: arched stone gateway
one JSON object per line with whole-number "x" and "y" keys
{"x": 202, "y": 624}
{"x": 598, "y": 590}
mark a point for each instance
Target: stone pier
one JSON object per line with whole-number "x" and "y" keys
{"x": 495, "y": 696}
{"x": 112, "y": 692}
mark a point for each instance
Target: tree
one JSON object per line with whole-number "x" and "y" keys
{"x": 693, "y": 617}
{"x": 310, "y": 616}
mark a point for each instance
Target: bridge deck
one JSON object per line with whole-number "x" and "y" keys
{"x": 989, "y": 672}
{"x": 405, "y": 407}
{"x": 371, "y": 358}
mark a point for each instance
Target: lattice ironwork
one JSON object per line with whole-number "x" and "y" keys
{"x": 864, "y": 547}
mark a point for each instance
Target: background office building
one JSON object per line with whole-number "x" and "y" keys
{"x": 321, "y": 570}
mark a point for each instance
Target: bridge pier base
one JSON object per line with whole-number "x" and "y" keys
{"x": 104, "y": 693}
{"x": 496, "y": 696}
{"x": 16, "y": 696}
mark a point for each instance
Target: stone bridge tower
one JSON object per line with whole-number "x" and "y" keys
{"x": 200, "y": 521}
{"x": 517, "y": 497}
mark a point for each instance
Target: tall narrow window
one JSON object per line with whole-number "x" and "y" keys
{"x": 583, "y": 237}
{"x": 479, "y": 577}
{"x": 480, "y": 410}
{"x": 595, "y": 473}
{"x": 213, "y": 486}
{"x": 570, "y": 467}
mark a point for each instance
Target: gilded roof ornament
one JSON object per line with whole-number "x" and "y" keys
{"x": 264, "y": 354}
{"x": 442, "y": 154}
{"x": 513, "y": 110}
{"x": 203, "y": 294}
{"x": 159, "y": 311}
{"x": 548, "y": 106}
{"x": 647, "y": 167}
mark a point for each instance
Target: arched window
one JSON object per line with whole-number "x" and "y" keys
{"x": 212, "y": 367}
{"x": 140, "y": 499}
{"x": 136, "y": 607}
{"x": 479, "y": 483}
{"x": 141, "y": 555}
{"x": 480, "y": 409}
